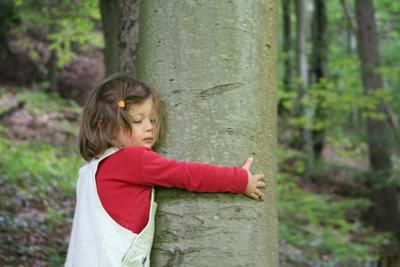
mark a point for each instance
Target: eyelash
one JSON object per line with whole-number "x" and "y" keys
{"x": 137, "y": 122}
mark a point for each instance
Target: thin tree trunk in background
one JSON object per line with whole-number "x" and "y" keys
{"x": 287, "y": 42}
{"x": 385, "y": 211}
{"x": 318, "y": 67}
{"x": 7, "y": 58}
{"x": 215, "y": 67}
{"x": 350, "y": 31}
{"x": 110, "y": 16}
{"x": 301, "y": 42}
{"x": 302, "y": 30}
{"x": 129, "y": 35}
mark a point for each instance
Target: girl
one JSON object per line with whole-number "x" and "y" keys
{"x": 113, "y": 223}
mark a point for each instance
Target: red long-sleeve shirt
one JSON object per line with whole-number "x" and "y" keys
{"x": 125, "y": 180}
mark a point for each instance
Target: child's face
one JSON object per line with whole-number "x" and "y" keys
{"x": 143, "y": 126}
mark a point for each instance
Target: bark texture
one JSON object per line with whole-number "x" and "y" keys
{"x": 215, "y": 67}
{"x": 128, "y": 35}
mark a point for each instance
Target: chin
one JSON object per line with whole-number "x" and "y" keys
{"x": 148, "y": 145}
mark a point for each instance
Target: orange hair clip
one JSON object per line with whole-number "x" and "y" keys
{"x": 121, "y": 104}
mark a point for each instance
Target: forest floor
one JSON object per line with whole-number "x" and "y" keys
{"x": 38, "y": 135}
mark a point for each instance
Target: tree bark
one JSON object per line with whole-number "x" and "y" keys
{"x": 215, "y": 67}
{"x": 318, "y": 68}
{"x": 385, "y": 212}
{"x": 110, "y": 16}
{"x": 129, "y": 35}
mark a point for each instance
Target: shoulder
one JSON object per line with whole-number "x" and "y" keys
{"x": 134, "y": 151}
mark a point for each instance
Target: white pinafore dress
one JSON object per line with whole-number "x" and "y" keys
{"x": 96, "y": 239}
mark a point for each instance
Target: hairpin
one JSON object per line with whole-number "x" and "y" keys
{"x": 121, "y": 104}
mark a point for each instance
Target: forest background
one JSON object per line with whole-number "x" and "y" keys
{"x": 335, "y": 194}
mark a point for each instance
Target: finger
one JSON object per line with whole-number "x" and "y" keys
{"x": 259, "y": 176}
{"x": 260, "y": 184}
{"x": 254, "y": 196}
{"x": 259, "y": 193}
{"x": 247, "y": 164}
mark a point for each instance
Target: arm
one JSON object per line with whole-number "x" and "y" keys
{"x": 194, "y": 177}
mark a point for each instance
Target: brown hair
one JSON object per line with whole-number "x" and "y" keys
{"x": 103, "y": 117}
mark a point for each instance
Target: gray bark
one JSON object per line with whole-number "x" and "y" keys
{"x": 129, "y": 35}
{"x": 215, "y": 67}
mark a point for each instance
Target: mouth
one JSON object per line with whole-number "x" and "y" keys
{"x": 148, "y": 140}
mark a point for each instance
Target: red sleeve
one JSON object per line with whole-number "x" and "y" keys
{"x": 194, "y": 177}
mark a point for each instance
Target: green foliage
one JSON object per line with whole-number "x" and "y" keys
{"x": 330, "y": 104}
{"x": 38, "y": 182}
{"x": 319, "y": 225}
{"x": 35, "y": 167}
{"x": 65, "y": 24}
{"x": 325, "y": 228}
{"x": 39, "y": 103}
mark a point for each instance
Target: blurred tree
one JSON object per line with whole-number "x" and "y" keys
{"x": 215, "y": 68}
{"x": 110, "y": 16}
{"x": 385, "y": 211}
{"x": 129, "y": 35}
{"x": 303, "y": 12}
{"x": 287, "y": 43}
{"x": 7, "y": 58}
{"x": 318, "y": 69}
{"x": 121, "y": 29}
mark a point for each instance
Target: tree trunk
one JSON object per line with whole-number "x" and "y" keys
{"x": 385, "y": 212}
{"x": 318, "y": 68}
{"x": 302, "y": 32}
{"x": 110, "y": 16}
{"x": 215, "y": 67}
{"x": 287, "y": 42}
{"x": 7, "y": 58}
{"x": 129, "y": 35}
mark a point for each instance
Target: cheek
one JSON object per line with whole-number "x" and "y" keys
{"x": 133, "y": 135}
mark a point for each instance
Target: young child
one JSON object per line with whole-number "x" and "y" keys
{"x": 113, "y": 223}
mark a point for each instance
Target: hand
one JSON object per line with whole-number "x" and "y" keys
{"x": 254, "y": 181}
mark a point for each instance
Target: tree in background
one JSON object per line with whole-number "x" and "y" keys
{"x": 110, "y": 17}
{"x": 303, "y": 19}
{"x": 7, "y": 58}
{"x": 318, "y": 69}
{"x": 385, "y": 211}
{"x": 121, "y": 33}
{"x": 215, "y": 68}
{"x": 287, "y": 42}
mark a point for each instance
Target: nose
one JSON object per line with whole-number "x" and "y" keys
{"x": 148, "y": 126}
